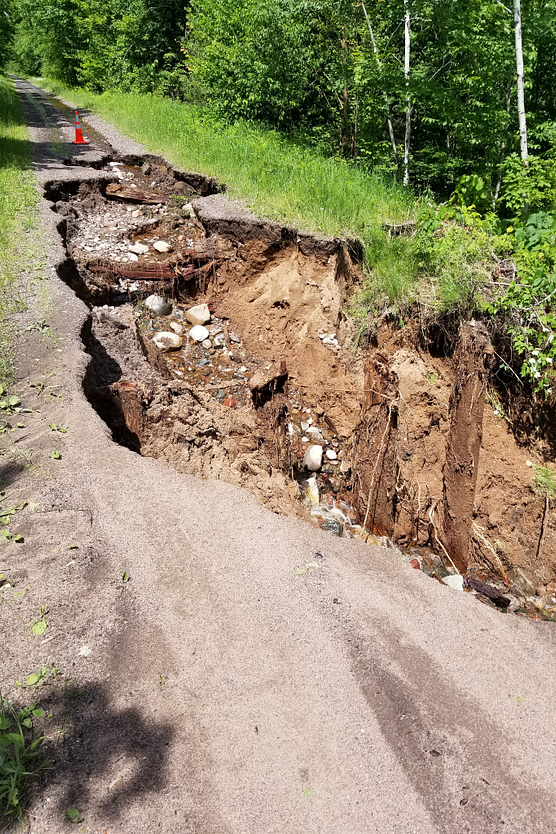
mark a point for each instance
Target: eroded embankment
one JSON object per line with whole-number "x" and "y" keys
{"x": 261, "y": 385}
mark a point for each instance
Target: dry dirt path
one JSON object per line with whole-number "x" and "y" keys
{"x": 205, "y": 686}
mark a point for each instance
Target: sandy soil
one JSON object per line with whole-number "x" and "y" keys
{"x": 199, "y": 681}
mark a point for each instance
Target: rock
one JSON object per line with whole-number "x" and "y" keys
{"x": 177, "y": 328}
{"x": 219, "y": 342}
{"x": 312, "y": 459}
{"x": 454, "y": 581}
{"x": 331, "y": 454}
{"x": 168, "y": 341}
{"x": 132, "y": 257}
{"x": 199, "y": 333}
{"x": 138, "y": 249}
{"x": 207, "y": 344}
{"x": 344, "y": 467}
{"x": 161, "y": 246}
{"x": 158, "y": 305}
{"x": 200, "y": 314}
{"x": 146, "y": 168}
{"x": 311, "y": 490}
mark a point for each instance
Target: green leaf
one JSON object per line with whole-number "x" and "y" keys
{"x": 13, "y": 401}
{"x": 38, "y": 713}
{"x": 39, "y": 628}
{"x": 33, "y": 679}
{"x": 73, "y": 814}
{"x": 56, "y": 455}
{"x": 18, "y": 538}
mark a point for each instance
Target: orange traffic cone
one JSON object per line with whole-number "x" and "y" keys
{"x": 79, "y": 140}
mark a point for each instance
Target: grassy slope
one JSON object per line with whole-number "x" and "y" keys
{"x": 18, "y": 198}
{"x": 276, "y": 177}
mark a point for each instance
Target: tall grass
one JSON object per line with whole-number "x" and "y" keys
{"x": 270, "y": 173}
{"x": 18, "y": 198}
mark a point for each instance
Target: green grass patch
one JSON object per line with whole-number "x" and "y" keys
{"x": 18, "y": 215}
{"x": 20, "y": 756}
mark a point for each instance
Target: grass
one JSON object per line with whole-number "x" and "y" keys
{"x": 277, "y": 178}
{"x": 20, "y": 756}
{"x": 544, "y": 483}
{"x": 18, "y": 216}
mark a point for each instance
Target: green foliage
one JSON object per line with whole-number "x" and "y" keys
{"x": 544, "y": 483}
{"x": 20, "y": 755}
{"x": 531, "y": 187}
{"x": 530, "y": 300}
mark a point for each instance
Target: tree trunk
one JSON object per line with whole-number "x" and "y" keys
{"x": 407, "y": 54}
{"x": 472, "y": 362}
{"x": 520, "y": 85}
{"x": 503, "y": 146}
{"x": 385, "y": 94}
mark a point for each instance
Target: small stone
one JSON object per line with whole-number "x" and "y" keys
{"x": 304, "y": 426}
{"x": 146, "y": 168}
{"x": 132, "y": 257}
{"x": 139, "y": 249}
{"x": 158, "y": 305}
{"x": 344, "y": 467}
{"x": 312, "y": 459}
{"x": 176, "y": 327}
{"x": 230, "y": 402}
{"x": 206, "y": 344}
{"x": 161, "y": 246}
{"x": 454, "y": 581}
{"x": 166, "y": 341}
{"x": 311, "y": 490}
{"x": 331, "y": 454}
{"x": 136, "y": 213}
{"x": 200, "y": 314}
{"x": 198, "y": 333}
{"x": 304, "y": 439}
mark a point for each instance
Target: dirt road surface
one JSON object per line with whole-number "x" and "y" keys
{"x": 199, "y": 680}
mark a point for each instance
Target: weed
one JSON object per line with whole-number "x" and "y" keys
{"x": 55, "y": 454}
{"x": 20, "y": 755}
{"x": 544, "y": 483}
{"x": 56, "y": 427}
{"x": 18, "y": 215}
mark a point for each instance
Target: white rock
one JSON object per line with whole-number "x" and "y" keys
{"x": 454, "y": 581}
{"x": 207, "y": 344}
{"x": 168, "y": 341}
{"x": 161, "y": 246}
{"x": 344, "y": 467}
{"x": 136, "y": 213}
{"x": 331, "y": 454}
{"x": 304, "y": 439}
{"x": 199, "y": 333}
{"x": 304, "y": 426}
{"x": 132, "y": 257}
{"x": 158, "y": 305}
{"x": 176, "y": 327}
{"x": 138, "y": 248}
{"x": 200, "y": 314}
{"x": 311, "y": 490}
{"x": 312, "y": 459}
{"x": 219, "y": 342}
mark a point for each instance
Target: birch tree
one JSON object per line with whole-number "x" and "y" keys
{"x": 520, "y": 85}
{"x": 406, "y": 67}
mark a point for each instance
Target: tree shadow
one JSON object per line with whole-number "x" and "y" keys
{"x": 120, "y": 750}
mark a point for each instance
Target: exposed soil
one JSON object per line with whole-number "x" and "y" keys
{"x": 277, "y": 299}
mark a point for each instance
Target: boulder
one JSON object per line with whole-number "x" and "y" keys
{"x": 199, "y": 333}
{"x": 168, "y": 340}
{"x": 200, "y": 314}
{"x": 312, "y": 459}
{"x": 158, "y": 305}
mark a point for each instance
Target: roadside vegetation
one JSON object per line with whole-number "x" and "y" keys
{"x": 18, "y": 197}
{"x": 21, "y": 756}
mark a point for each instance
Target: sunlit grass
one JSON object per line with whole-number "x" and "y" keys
{"x": 273, "y": 175}
{"x": 18, "y": 198}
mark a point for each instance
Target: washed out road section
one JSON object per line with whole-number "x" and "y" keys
{"x": 226, "y": 690}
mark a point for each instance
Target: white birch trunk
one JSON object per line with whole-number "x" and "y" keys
{"x": 520, "y": 87}
{"x": 385, "y": 94}
{"x": 407, "y": 55}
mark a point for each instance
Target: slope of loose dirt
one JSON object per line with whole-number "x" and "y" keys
{"x": 216, "y": 667}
